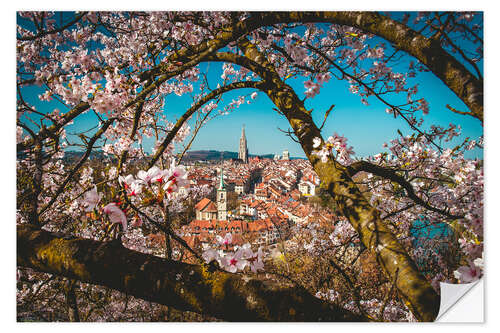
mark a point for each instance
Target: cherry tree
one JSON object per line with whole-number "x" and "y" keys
{"x": 90, "y": 222}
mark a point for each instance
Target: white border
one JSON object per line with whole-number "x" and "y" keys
{"x": 7, "y": 189}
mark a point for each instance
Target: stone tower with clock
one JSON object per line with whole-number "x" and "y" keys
{"x": 221, "y": 198}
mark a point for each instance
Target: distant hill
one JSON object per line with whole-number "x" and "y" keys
{"x": 193, "y": 155}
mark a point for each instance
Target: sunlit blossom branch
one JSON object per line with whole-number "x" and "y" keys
{"x": 226, "y": 35}
{"x": 428, "y": 51}
{"x": 393, "y": 176}
{"x": 82, "y": 160}
{"x": 369, "y": 89}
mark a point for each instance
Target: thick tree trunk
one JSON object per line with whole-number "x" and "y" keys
{"x": 198, "y": 288}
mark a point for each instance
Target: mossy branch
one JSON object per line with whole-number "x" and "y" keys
{"x": 197, "y": 288}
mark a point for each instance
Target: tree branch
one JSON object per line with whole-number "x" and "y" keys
{"x": 387, "y": 173}
{"x": 197, "y": 288}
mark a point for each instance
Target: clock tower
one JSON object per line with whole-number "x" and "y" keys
{"x": 221, "y": 198}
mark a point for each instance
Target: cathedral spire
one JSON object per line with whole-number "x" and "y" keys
{"x": 243, "y": 150}
{"x": 222, "y": 186}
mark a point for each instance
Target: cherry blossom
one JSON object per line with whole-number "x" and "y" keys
{"x": 210, "y": 255}
{"x": 316, "y": 142}
{"x": 233, "y": 262}
{"x": 177, "y": 177}
{"x": 255, "y": 260}
{"x": 91, "y": 199}
{"x": 148, "y": 176}
{"x": 226, "y": 240}
{"x": 115, "y": 214}
{"x": 467, "y": 274}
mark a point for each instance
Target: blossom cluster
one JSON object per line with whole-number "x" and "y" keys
{"x": 312, "y": 88}
{"x": 337, "y": 143}
{"x": 169, "y": 180}
{"x": 237, "y": 260}
{"x": 155, "y": 179}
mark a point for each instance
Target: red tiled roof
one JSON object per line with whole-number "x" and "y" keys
{"x": 261, "y": 192}
{"x": 203, "y": 182}
{"x": 203, "y": 202}
{"x": 211, "y": 207}
{"x": 207, "y": 205}
{"x": 255, "y": 204}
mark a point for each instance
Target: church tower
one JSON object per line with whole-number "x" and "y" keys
{"x": 243, "y": 151}
{"x": 221, "y": 198}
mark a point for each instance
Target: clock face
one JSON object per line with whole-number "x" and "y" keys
{"x": 222, "y": 200}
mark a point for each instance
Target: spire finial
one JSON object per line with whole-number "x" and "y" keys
{"x": 221, "y": 183}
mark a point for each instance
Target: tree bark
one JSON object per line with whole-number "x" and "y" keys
{"x": 71, "y": 301}
{"x": 199, "y": 288}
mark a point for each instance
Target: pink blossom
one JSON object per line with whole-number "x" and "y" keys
{"x": 19, "y": 134}
{"x": 467, "y": 274}
{"x": 479, "y": 262}
{"x": 115, "y": 214}
{"x": 136, "y": 221}
{"x": 135, "y": 188}
{"x": 323, "y": 153}
{"x": 322, "y": 78}
{"x": 316, "y": 142}
{"x": 128, "y": 180}
{"x": 211, "y": 254}
{"x": 254, "y": 259}
{"x": 226, "y": 240}
{"x": 91, "y": 199}
{"x": 177, "y": 177}
{"x": 234, "y": 262}
{"x": 146, "y": 177}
